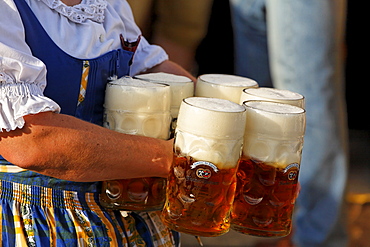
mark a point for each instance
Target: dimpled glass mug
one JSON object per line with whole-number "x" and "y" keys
{"x": 139, "y": 108}
{"x": 181, "y": 87}
{"x": 272, "y": 94}
{"x": 202, "y": 180}
{"x": 267, "y": 177}
{"x": 223, "y": 86}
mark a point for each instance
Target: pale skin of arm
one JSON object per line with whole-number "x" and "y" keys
{"x": 67, "y": 148}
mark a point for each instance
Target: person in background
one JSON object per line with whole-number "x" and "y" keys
{"x": 298, "y": 45}
{"x": 56, "y": 57}
{"x": 178, "y": 26}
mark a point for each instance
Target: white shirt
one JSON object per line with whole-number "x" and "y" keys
{"x": 84, "y": 31}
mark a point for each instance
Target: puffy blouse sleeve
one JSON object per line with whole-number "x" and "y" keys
{"x": 22, "y": 76}
{"x": 146, "y": 57}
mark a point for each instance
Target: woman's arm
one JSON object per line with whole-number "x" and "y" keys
{"x": 65, "y": 147}
{"x": 35, "y": 138}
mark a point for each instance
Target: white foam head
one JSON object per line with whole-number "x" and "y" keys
{"x": 223, "y": 86}
{"x": 211, "y": 117}
{"x": 274, "y": 132}
{"x": 272, "y": 94}
{"x": 162, "y": 77}
{"x": 138, "y": 107}
{"x": 210, "y": 129}
{"x": 131, "y": 94}
{"x": 181, "y": 87}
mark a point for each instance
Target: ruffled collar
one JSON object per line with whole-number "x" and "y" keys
{"x": 86, "y": 10}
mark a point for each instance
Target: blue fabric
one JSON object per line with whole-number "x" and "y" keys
{"x": 64, "y": 71}
{"x": 250, "y": 40}
{"x": 63, "y": 84}
{"x": 143, "y": 229}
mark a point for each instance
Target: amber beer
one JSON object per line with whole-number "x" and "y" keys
{"x": 268, "y": 171}
{"x": 139, "y": 194}
{"x": 202, "y": 181}
{"x": 139, "y": 108}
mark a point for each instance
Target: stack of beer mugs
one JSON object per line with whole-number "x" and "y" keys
{"x": 237, "y": 153}
{"x": 141, "y": 107}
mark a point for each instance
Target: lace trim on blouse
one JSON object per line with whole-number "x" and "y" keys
{"x": 21, "y": 99}
{"x": 86, "y": 10}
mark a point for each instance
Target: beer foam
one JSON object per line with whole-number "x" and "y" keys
{"x": 129, "y": 94}
{"x": 214, "y": 104}
{"x": 223, "y": 153}
{"x": 274, "y": 132}
{"x": 272, "y": 94}
{"x": 211, "y": 129}
{"x": 162, "y": 77}
{"x": 181, "y": 87}
{"x": 155, "y": 125}
{"x": 228, "y": 80}
{"x": 138, "y": 107}
{"x": 223, "y": 86}
{"x": 216, "y": 118}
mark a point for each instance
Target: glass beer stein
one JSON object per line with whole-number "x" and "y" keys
{"x": 139, "y": 108}
{"x": 181, "y": 87}
{"x": 267, "y": 176}
{"x": 272, "y": 94}
{"x": 202, "y": 180}
{"x": 223, "y": 86}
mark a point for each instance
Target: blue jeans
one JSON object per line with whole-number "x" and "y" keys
{"x": 298, "y": 45}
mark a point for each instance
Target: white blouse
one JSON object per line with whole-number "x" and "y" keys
{"x": 84, "y": 31}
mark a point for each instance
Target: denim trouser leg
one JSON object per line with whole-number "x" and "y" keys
{"x": 250, "y": 40}
{"x": 306, "y": 42}
{"x": 305, "y": 55}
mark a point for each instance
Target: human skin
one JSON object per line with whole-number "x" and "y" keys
{"x": 65, "y": 147}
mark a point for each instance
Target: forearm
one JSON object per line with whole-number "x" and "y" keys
{"x": 61, "y": 146}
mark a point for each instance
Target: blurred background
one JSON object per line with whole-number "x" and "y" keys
{"x": 197, "y": 48}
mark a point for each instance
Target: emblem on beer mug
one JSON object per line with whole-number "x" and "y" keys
{"x": 204, "y": 172}
{"x": 293, "y": 171}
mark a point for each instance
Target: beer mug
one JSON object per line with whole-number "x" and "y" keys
{"x": 223, "y": 86}
{"x": 202, "y": 180}
{"x": 181, "y": 87}
{"x": 139, "y": 108}
{"x": 268, "y": 170}
{"x": 272, "y": 94}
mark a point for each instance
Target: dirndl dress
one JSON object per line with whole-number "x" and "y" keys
{"x": 37, "y": 210}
